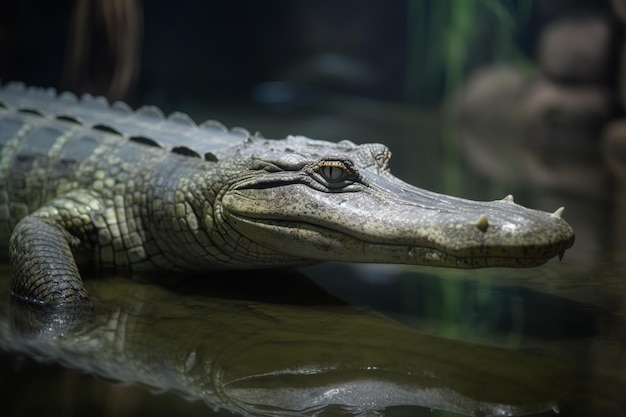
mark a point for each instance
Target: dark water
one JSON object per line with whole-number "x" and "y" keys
{"x": 339, "y": 339}
{"x": 500, "y": 342}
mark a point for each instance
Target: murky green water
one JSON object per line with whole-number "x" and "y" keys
{"x": 340, "y": 339}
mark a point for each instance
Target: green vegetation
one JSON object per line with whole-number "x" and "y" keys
{"x": 447, "y": 40}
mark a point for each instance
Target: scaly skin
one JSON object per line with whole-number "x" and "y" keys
{"x": 137, "y": 191}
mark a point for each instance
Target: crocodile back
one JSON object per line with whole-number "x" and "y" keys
{"x": 43, "y": 157}
{"x": 52, "y": 143}
{"x": 176, "y": 133}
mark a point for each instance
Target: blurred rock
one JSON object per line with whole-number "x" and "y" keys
{"x": 619, "y": 9}
{"x": 556, "y": 116}
{"x": 550, "y": 9}
{"x": 491, "y": 97}
{"x": 621, "y": 77}
{"x": 542, "y": 140}
{"x": 576, "y": 48}
{"x": 615, "y": 156}
{"x": 615, "y": 149}
{"x": 548, "y": 114}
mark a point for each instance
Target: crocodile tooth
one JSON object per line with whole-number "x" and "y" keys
{"x": 508, "y": 199}
{"x": 555, "y": 408}
{"x": 482, "y": 223}
{"x": 557, "y": 214}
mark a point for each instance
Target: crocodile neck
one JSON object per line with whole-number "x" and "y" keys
{"x": 191, "y": 217}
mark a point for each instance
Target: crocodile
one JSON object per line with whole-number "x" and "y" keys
{"x": 135, "y": 190}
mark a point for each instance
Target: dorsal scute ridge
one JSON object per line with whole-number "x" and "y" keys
{"x": 15, "y": 86}
{"x": 186, "y": 151}
{"x": 121, "y": 107}
{"x": 69, "y": 118}
{"x": 50, "y": 93}
{"x": 240, "y": 131}
{"x": 67, "y": 97}
{"x": 177, "y": 130}
{"x": 32, "y": 110}
{"x": 97, "y": 102}
{"x": 213, "y": 125}
{"x": 152, "y": 112}
{"x": 182, "y": 119}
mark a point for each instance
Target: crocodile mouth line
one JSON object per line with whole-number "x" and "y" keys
{"x": 415, "y": 254}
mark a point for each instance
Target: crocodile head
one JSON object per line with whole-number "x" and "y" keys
{"x": 305, "y": 199}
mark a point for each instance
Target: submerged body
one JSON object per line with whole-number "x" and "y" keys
{"x": 135, "y": 190}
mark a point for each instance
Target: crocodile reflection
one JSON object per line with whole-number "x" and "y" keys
{"x": 269, "y": 359}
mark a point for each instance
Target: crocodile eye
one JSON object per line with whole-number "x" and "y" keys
{"x": 334, "y": 171}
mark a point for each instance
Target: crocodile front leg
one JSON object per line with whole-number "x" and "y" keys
{"x": 43, "y": 267}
